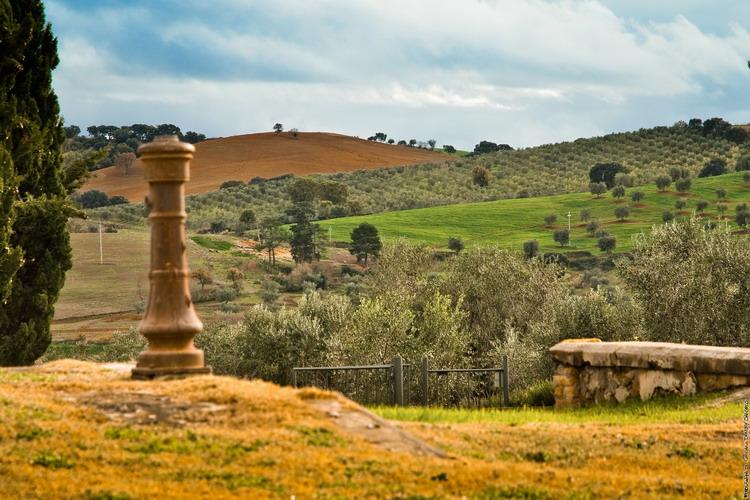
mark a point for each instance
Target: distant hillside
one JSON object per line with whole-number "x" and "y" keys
{"x": 508, "y": 223}
{"x": 243, "y": 157}
{"x": 543, "y": 170}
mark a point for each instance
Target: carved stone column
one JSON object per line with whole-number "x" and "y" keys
{"x": 170, "y": 322}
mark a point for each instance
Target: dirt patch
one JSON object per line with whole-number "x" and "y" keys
{"x": 353, "y": 419}
{"x": 144, "y": 408}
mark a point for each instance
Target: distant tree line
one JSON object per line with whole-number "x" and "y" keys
{"x": 116, "y": 141}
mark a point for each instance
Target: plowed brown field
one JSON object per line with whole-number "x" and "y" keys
{"x": 243, "y": 157}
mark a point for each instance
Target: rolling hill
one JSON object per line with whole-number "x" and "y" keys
{"x": 267, "y": 155}
{"x": 508, "y": 223}
{"x": 539, "y": 171}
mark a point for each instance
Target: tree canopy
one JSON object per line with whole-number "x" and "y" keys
{"x": 33, "y": 196}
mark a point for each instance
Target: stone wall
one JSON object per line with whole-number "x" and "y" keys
{"x": 589, "y": 371}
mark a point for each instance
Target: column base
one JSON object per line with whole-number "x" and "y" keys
{"x": 152, "y": 373}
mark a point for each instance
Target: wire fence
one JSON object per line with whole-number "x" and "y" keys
{"x": 400, "y": 383}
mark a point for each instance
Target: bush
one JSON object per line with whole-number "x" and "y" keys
{"x": 592, "y": 227}
{"x": 622, "y": 213}
{"x": 455, "y": 244}
{"x": 637, "y": 196}
{"x": 716, "y": 166}
{"x": 618, "y": 192}
{"x": 537, "y": 394}
{"x": 667, "y": 216}
{"x": 550, "y": 219}
{"x": 597, "y": 188}
{"x": 481, "y": 176}
{"x": 721, "y": 193}
{"x": 607, "y": 243}
{"x": 743, "y": 163}
{"x": 691, "y": 282}
{"x": 585, "y": 215}
{"x": 701, "y": 206}
{"x": 683, "y": 185}
{"x": 663, "y": 182}
{"x": 679, "y": 204}
{"x": 531, "y": 248}
{"x": 561, "y": 236}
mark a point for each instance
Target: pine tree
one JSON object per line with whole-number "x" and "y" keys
{"x": 31, "y": 132}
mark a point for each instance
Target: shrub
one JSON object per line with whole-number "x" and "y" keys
{"x": 592, "y": 227}
{"x": 561, "y": 236}
{"x": 743, "y": 163}
{"x": 597, "y": 188}
{"x": 637, "y": 196}
{"x": 605, "y": 172}
{"x": 550, "y": 219}
{"x": 622, "y": 213}
{"x": 455, "y": 244}
{"x": 607, "y": 243}
{"x": 721, "y": 193}
{"x": 531, "y": 248}
{"x": 716, "y": 166}
{"x": 667, "y": 216}
{"x": 231, "y": 184}
{"x": 585, "y": 215}
{"x": 701, "y": 206}
{"x": 618, "y": 192}
{"x": 663, "y": 182}
{"x": 691, "y": 284}
{"x": 683, "y": 185}
{"x": 481, "y": 176}
{"x": 679, "y": 204}
{"x": 537, "y": 394}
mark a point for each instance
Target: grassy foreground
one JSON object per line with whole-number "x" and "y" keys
{"x": 75, "y": 430}
{"x": 508, "y": 223}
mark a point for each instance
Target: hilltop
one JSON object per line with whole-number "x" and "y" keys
{"x": 267, "y": 155}
{"x": 538, "y": 171}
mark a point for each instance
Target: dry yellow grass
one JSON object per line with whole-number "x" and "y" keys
{"x": 243, "y": 157}
{"x": 72, "y": 429}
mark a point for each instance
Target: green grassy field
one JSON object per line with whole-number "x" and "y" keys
{"x": 508, "y": 223}
{"x": 544, "y": 170}
{"x": 699, "y": 409}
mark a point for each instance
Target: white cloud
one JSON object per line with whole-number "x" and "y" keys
{"x": 486, "y": 67}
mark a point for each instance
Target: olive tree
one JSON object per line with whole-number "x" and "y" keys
{"x": 691, "y": 282}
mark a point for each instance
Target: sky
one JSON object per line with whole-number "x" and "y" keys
{"x": 458, "y": 71}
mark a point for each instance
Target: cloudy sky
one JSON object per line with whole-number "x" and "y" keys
{"x": 519, "y": 72}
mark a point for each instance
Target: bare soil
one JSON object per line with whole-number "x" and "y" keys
{"x": 267, "y": 155}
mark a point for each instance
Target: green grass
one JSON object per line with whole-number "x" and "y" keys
{"x": 667, "y": 410}
{"x": 212, "y": 243}
{"x": 543, "y": 170}
{"x": 508, "y": 223}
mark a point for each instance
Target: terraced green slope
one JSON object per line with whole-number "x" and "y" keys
{"x": 538, "y": 171}
{"x": 509, "y": 223}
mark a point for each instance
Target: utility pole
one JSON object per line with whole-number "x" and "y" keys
{"x": 569, "y": 234}
{"x": 101, "y": 252}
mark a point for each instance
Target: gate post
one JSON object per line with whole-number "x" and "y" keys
{"x": 506, "y": 390}
{"x": 397, "y": 365}
{"x": 424, "y": 380}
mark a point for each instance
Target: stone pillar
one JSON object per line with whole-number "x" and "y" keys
{"x": 170, "y": 322}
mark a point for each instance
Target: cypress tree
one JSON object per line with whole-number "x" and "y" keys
{"x": 37, "y": 209}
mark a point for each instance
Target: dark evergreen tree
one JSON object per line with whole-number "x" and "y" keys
{"x": 303, "y": 242}
{"x": 31, "y": 132}
{"x": 605, "y": 172}
{"x": 365, "y": 242}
